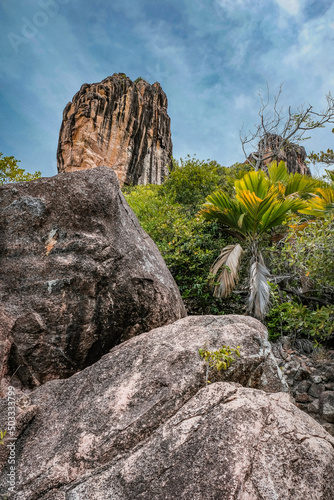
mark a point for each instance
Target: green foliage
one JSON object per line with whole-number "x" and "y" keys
{"x": 139, "y": 79}
{"x": 322, "y": 156}
{"x": 192, "y": 180}
{"x": 10, "y": 171}
{"x": 306, "y": 257}
{"x": 287, "y": 317}
{"x": 187, "y": 244}
{"x": 2, "y": 435}
{"x": 219, "y": 360}
{"x": 326, "y": 157}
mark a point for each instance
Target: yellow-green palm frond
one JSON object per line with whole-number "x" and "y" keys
{"x": 248, "y": 215}
{"x": 225, "y": 210}
{"x": 279, "y": 212}
{"x": 221, "y": 201}
{"x": 326, "y": 193}
{"x": 301, "y": 185}
{"x": 292, "y": 184}
{"x": 272, "y": 211}
{"x": 254, "y": 205}
{"x": 255, "y": 182}
{"x": 320, "y": 205}
{"x": 278, "y": 172}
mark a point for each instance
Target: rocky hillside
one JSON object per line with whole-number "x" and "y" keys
{"x": 121, "y": 124}
{"x": 141, "y": 423}
{"x": 104, "y": 392}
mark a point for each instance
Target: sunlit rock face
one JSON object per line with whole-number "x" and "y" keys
{"x": 142, "y": 424}
{"x": 121, "y": 124}
{"x": 292, "y": 154}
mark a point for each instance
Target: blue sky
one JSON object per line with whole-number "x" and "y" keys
{"x": 212, "y": 58}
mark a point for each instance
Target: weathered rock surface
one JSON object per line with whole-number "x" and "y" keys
{"x": 121, "y": 124}
{"x": 292, "y": 154}
{"x": 141, "y": 424}
{"x": 78, "y": 275}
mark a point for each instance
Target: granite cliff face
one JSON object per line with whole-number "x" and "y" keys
{"x": 121, "y": 124}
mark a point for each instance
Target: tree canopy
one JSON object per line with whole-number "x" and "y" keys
{"x": 11, "y": 172}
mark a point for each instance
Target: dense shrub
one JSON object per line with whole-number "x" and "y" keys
{"x": 303, "y": 263}
{"x": 287, "y": 317}
{"x": 188, "y": 245}
{"x": 305, "y": 258}
{"x": 192, "y": 180}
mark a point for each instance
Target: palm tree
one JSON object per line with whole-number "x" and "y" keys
{"x": 321, "y": 204}
{"x": 261, "y": 203}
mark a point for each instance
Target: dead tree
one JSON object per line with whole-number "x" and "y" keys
{"x": 276, "y": 130}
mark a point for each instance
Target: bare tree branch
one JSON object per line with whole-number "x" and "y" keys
{"x": 276, "y": 130}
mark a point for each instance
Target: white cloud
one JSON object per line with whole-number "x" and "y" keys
{"x": 292, "y": 7}
{"x": 243, "y": 101}
{"x": 231, "y": 8}
{"x": 233, "y": 4}
{"x": 309, "y": 57}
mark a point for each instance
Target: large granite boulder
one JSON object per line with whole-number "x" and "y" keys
{"x": 141, "y": 423}
{"x": 121, "y": 124}
{"x": 78, "y": 275}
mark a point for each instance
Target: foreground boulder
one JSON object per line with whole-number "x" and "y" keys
{"x": 141, "y": 424}
{"x": 78, "y": 275}
{"x": 121, "y": 124}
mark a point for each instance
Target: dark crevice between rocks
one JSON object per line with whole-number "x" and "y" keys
{"x": 137, "y": 316}
{"x": 18, "y": 368}
{"x": 102, "y": 345}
